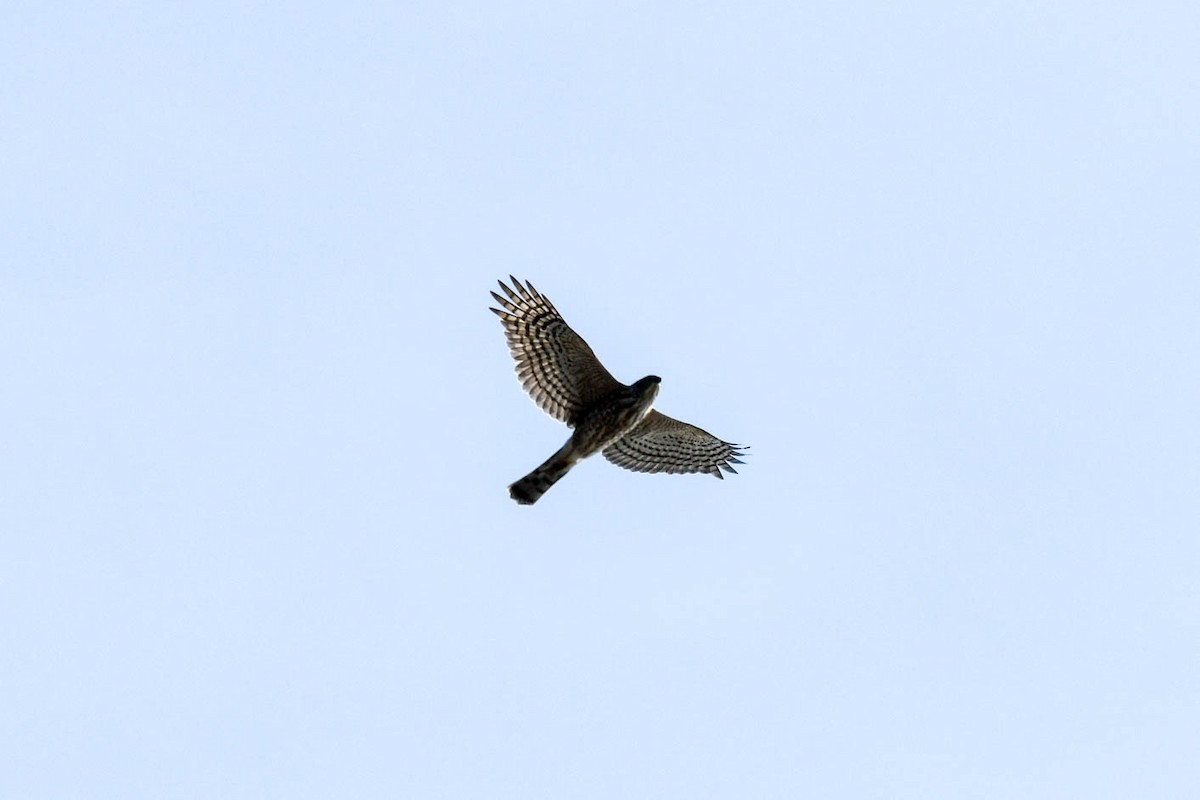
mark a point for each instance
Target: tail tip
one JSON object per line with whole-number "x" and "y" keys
{"x": 523, "y": 493}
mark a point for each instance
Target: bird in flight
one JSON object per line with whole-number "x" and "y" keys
{"x": 568, "y": 382}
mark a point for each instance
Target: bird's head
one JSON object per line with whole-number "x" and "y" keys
{"x": 647, "y": 387}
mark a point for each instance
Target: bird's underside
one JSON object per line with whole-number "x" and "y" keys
{"x": 568, "y": 382}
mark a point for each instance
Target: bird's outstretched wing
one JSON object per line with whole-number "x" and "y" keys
{"x": 662, "y": 444}
{"x": 554, "y": 364}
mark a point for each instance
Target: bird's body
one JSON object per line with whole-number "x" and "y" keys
{"x": 598, "y": 428}
{"x": 564, "y": 377}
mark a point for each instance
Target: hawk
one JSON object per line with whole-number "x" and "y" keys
{"x": 568, "y": 382}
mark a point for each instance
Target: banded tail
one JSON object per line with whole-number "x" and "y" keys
{"x": 527, "y": 490}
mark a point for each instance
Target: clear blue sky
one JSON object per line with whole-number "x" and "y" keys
{"x": 938, "y": 264}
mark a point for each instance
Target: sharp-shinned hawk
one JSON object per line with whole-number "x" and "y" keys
{"x": 568, "y": 382}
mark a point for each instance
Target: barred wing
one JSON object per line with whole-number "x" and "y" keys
{"x": 554, "y": 364}
{"x": 662, "y": 444}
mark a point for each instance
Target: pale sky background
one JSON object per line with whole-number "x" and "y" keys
{"x": 938, "y": 263}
